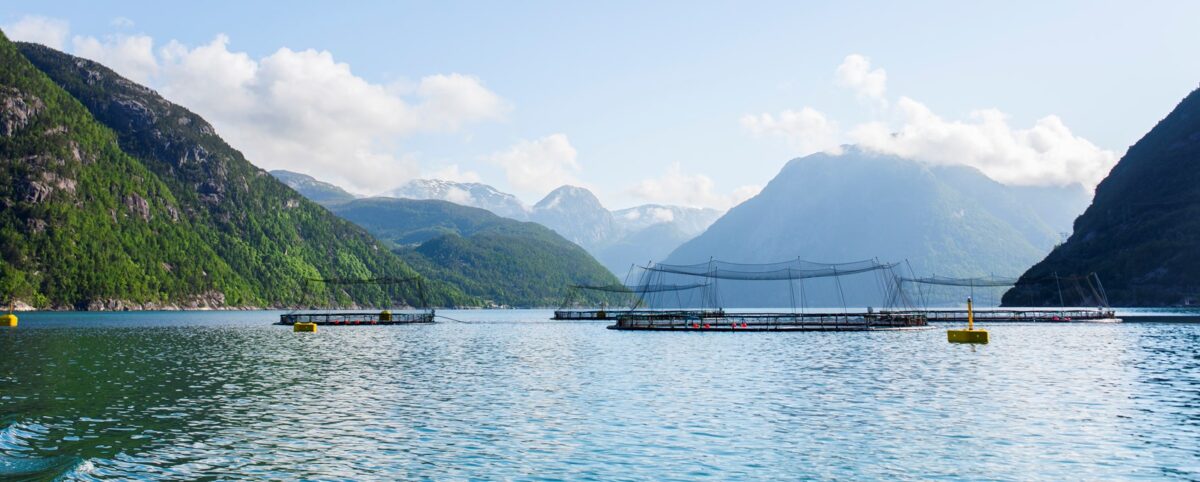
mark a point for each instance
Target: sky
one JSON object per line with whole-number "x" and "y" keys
{"x": 691, "y": 103}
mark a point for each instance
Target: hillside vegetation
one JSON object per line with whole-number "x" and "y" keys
{"x": 486, "y": 256}
{"x": 1141, "y": 234}
{"x": 116, "y": 198}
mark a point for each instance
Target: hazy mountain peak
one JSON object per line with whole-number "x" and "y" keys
{"x": 319, "y": 191}
{"x": 862, "y": 205}
{"x": 573, "y": 195}
{"x": 472, "y": 194}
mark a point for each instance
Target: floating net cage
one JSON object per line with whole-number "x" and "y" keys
{"x": 411, "y": 289}
{"x": 625, "y": 296}
{"x": 1074, "y": 290}
{"x": 662, "y": 286}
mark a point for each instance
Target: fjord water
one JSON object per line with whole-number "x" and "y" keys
{"x": 509, "y": 395}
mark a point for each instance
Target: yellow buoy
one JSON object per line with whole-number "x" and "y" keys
{"x": 9, "y": 319}
{"x": 385, "y": 315}
{"x": 969, "y": 335}
{"x": 304, "y": 328}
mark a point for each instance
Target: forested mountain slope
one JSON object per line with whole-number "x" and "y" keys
{"x": 265, "y": 238}
{"x": 1141, "y": 234}
{"x": 496, "y": 259}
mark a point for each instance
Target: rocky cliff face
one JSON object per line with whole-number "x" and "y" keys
{"x": 83, "y": 225}
{"x": 1141, "y": 234}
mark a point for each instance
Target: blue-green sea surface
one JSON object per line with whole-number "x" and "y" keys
{"x": 510, "y": 395}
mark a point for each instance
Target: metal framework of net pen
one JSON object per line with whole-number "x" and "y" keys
{"x": 637, "y": 292}
{"x": 793, "y": 271}
{"x": 419, "y": 281}
{"x": 1094, "y": 294}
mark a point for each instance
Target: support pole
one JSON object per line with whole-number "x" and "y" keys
{"x": 970, "y": 315}
{"x": 1061, "y": 303}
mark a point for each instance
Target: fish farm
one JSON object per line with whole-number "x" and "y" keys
{"x": 771, "y": 322}
{"x": 349, "y": 318}
{"x": 652, "y": 290}
{"x": 903, "y": 308}
{"x": 357, "y": 318}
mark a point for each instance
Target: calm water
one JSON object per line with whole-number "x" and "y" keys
{"x": 512, "y": 396}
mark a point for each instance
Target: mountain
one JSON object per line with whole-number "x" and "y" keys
{"x": 625, "y": 237}
{"x": 1141, "y": 234}
{"x": 651, "y": 232}
{"x": 637, "y": 248}
{"x": 320, "y": 192}
{"x": 465, "y": 193}
{"x": 688, "y": 220}
{"x": 497, "y": 259}
{"x": 83, "y": 224}
{"x": 1042, "y": 214}
{"x": 617, "y": 239}
{"x": 861, "y": 205}
{"x": 576, "y": 214}
{"x": 213, "y": 226}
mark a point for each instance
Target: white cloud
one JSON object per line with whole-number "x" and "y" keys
{"x": 131, "y": 56}
{"x": 697, "y": 190}
{"x": 299, "y": 110}
{"x": 855, "y": 72}
{"x": 33, "y": 28}
{"x": 741, "y": 194}
{"x": 121, "y": 22}
{"x": 1045, "y": 154}
{"x": 450, "y": 100}
{"x": 460, "y": 196}
{"x": 537, "y": 166}
{"x": 661, "y": 215}
{"x": 304, "y": 110}
{"x": 806, "y": 130}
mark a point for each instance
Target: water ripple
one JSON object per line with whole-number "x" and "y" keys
{"x": 230, "y": 399}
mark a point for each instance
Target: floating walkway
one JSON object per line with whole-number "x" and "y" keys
{"x": 1042, "y": 315}
{"x": 603, "y": 314}
{"x": 901, "y": 312}
{"x": 696, "y": 321}
{"x": 357, "y": 318}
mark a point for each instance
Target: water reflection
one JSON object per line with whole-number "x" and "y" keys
{"x": 223, "y": 395}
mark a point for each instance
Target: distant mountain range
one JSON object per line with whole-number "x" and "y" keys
{"x": 1141, "y": 235}
{"x": 471, "y": 194}
{"x": 496, "y": 259}
{"x": 950, "y": 221}
{"x": 618, "y": 239}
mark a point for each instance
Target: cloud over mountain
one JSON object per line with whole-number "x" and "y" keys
{"x": 50, "y": 32}
{"x": 689, "y": 189}
{"x": 855, "y": 72}
{"x": 539, "y": 165}
{"x": 1045, "y": 154}
{"x": 295, "y": 109}
{"x": 806, "y": 130}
